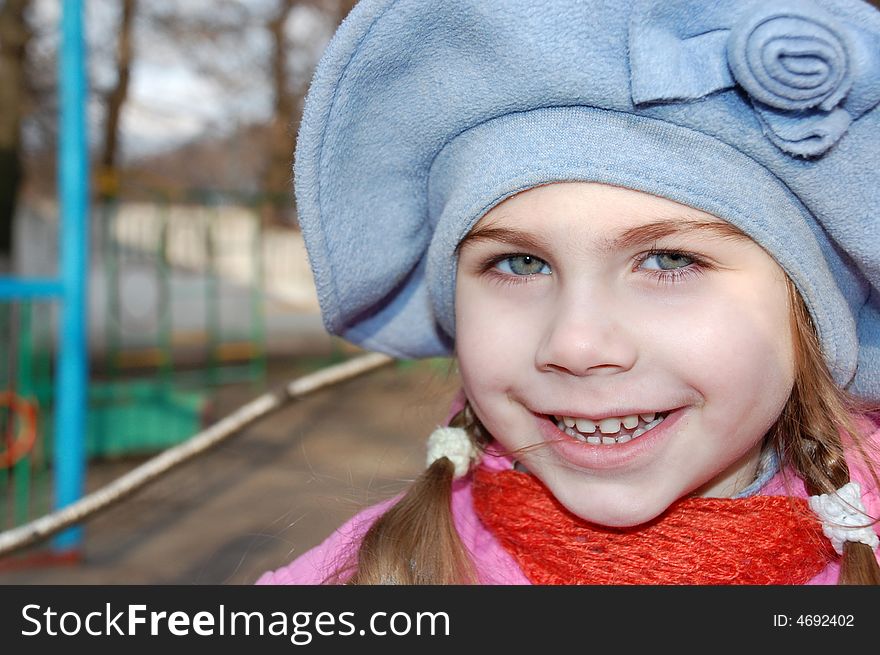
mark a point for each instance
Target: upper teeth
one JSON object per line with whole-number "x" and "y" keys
{"x": 581, "y": 427}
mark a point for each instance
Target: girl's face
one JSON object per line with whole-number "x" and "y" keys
{"x": 606, "y": 308}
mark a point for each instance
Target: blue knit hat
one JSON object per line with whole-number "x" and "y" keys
{"x": 424, "y": 114}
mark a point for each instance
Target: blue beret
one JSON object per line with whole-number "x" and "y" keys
{"x": 424, "y": 114}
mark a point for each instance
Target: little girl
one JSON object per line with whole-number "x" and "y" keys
{"x": 648, "y": 232}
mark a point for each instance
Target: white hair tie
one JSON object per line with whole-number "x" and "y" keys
{"x": 456, "y": 446}
{"x": 844, "y": 517}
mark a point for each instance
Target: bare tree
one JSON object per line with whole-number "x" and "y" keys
{"x": 253, "y": 61}
{"x": 14, "y": 36}
{"x": 108, "y": 183}
{"x": 281, "y": 137}
{"x": 288, "y": 93}
{"x": 345, "y": 7}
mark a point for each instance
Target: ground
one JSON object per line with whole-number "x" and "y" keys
{"x": 267, "y": 495}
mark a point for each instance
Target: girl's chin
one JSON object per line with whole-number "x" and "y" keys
{"x": 616, "y": 520}
{"x": 612, "y": 508}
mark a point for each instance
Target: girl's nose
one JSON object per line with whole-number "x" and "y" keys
{"x": 585, "y": 338}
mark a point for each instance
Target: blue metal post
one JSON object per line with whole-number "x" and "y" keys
{"x": 73, "y": 183}
{"x": 27, "y": 288}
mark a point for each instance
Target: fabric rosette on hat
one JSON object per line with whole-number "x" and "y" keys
{"x": 424, "y": 115}
{"x": 808, "y": 72}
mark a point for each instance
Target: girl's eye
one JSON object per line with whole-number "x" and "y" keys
{"x": 523, "y": 265}
{"x": 670, "y": 267}
{"x": 667, "y": 261}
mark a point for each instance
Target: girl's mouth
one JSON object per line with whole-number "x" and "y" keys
{"x": 608, "y": 431}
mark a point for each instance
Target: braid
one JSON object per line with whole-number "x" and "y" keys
{"x": 415, "y": 542}
{"x": 807, "y": 434}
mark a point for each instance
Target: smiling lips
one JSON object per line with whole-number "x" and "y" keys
{"x": 611, "y": 430}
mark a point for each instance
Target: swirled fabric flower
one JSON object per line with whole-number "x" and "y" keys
{"x": 807, "y": 73}
{"x": 792, "y": 60}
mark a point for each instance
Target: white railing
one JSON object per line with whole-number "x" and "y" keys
{"x": 232, "y": 232}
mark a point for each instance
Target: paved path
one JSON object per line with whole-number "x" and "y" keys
{"x": 268, "y": 494}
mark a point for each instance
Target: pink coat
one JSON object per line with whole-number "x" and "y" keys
{"x": 494, "y": 565}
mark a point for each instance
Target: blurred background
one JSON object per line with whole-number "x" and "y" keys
{"x": 197, "y": 296}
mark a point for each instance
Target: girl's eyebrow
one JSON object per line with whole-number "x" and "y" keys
{"x": 672, "y": 227}
{"x": 509, "y": 236}
{"x": 634, "y": 236}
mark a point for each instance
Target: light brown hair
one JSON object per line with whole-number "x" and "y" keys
{"x": 807, "y": 435}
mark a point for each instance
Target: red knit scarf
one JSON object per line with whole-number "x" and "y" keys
{"x": 700, "y": 541}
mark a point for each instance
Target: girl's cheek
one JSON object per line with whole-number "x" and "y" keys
{"x": 742, "y": 335}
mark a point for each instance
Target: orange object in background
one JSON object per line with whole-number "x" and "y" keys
{"x": 14, "y": 448}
